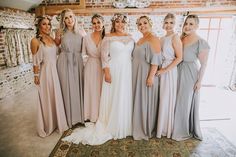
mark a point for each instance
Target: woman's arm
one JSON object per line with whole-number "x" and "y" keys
{"x": 203, "y": 56}
{"x": 58, "y": 37}
{"x": 155, "y": 46}
{"x": 177, "y": 46}
{"x": 151, "y": 75}
{"x": 105, "y": 48}
{"x": 34, "y": 48}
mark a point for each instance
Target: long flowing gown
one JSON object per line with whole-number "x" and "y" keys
{"x": 168, "y": 90}
{"x": 70, "y": 71}
{"x": 92, "y": 78}
{"x": 51, "y": 113}
{"x": 186, "y": 121}
{"x": 145, "y": 98}
{"x": 115, "y": 114}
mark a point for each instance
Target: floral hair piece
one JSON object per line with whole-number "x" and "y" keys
{"x": 120, "y": 16}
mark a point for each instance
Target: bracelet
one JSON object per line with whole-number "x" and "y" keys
{"x": 36, "y": 74}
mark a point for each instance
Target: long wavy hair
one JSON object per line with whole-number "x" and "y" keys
{"x": 196, "y": 19}
{"x": 38, "y": 22}
{"x": 117, "y": 16}
{"x": 62, "y": 21}
{"x": 100, "y": 18}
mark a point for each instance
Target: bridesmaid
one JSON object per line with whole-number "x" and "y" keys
{"x": 51, "y": 113}
{"x": 146, "y": 58}
{"x": 171, "y": 46}
{"x": 186, "y": 123}
{"x": 93, "y": 69}
{"x": 70, "y": 67}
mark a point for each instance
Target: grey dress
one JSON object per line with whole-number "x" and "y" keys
{"x": 145, "y": 99}
{"x": 70, "y": 71}
{"x": 186, "y": 122}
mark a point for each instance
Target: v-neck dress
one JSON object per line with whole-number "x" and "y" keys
{"x": 186, "y": 121}
{"x": 92, "y": 78}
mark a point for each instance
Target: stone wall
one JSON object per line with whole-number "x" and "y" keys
{"x": 16, "y": 79}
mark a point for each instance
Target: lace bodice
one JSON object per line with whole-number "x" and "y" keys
{"x": 114, "y": 47}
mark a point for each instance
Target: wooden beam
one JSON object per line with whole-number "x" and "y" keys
{"x": 78, "y": 9}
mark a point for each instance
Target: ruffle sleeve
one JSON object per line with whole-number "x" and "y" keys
{"x": 38, "y": 57}
{"x": 151, "y": 56}
{"x": 203, "y": 45}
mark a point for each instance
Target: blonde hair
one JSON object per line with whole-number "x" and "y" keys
{"x": 196, "y": 19}
{"x": 145, "y": 17}
{"x": 117, "y": 16}
{"x": 62, "y": 23}
{"x": 169, "y": 16}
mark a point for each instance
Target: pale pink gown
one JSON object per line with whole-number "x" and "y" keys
{"x": 51, "y": 112}
{"x": 92, "y": 78}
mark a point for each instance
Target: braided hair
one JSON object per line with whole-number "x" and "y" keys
{"x": 38, "y": 21}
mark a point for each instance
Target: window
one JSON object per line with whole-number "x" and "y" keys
{"x": 217, "y": 31}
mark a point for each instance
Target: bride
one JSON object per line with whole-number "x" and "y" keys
{"x": 115, "y": 114}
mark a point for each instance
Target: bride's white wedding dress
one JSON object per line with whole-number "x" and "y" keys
{"x": 115, "y": 113}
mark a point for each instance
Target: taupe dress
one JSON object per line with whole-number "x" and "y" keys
{"x": 145, "y": 99}
{"x": 186, "y": 122}
{"x": 51, "y": 112}
{"x": 92, "y": 78}
{"x": 70, "y": 71}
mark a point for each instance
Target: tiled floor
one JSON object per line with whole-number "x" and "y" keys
{"x": 18, "y": 136}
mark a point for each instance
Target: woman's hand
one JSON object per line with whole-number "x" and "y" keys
{"x": 108, "y": 77}
{"x": 197, "y": 85}
{"x": 36, "y": 80}
{"x": 149, "y": 81}
{"x": 161, "y": 71}
{"x": 58, "y": 33}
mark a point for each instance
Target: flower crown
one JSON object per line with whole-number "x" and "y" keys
{"x": 119, "y": 16}
{"x": 40, "y": 18}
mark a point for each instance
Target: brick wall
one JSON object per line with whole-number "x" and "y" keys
{"x": 167, "y": 3}
{"x": 85, "y": 21}
{"x": 16, "y": 79}
{"x": 15, "y": 76}
{"x": 2, "y": 49}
